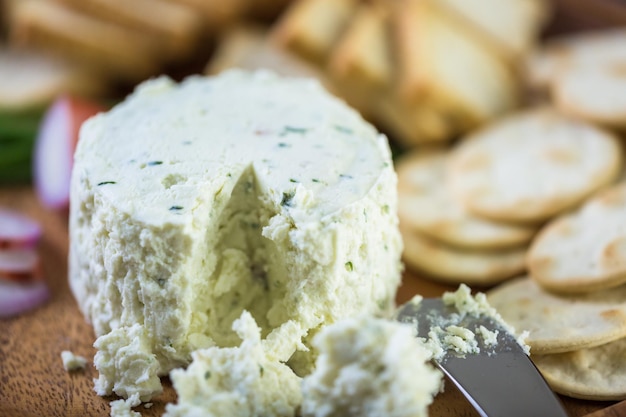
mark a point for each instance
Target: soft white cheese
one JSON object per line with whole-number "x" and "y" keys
{"x": 193, "y": 202}
{"x": 72, "y": 362}
{"x": 370, "y": 367}
{"x": 244, "y": 381}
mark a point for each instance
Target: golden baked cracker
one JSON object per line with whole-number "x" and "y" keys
{"x": 598, "y": 47}
{"x": 454, "y": 266}
{"x": 425, "y": 205}
{"x": 472, "y": 79}
{"x": 592, "y": 92}
{"x": 310, "y": 28}
{"x": 560, "y": 323}
{"x": 178, "y": 27}
{"x": 585, "y": 250}
{"x": 104, "y": 47}
{"x": 532, "y": 165}
{"x": 597, "y": 373}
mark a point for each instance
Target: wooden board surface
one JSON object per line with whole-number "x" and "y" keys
{"x": 34, "y": 383}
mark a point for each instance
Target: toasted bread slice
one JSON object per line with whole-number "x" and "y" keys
{"x": 177, "y": 26}
{"x": 103, "y": 47}
{"x": 310, "y": 28}
{"x": 246, "y": 46}
{"x": 217, "y": 14}
{"x": 360, "y": 64}
{"x": 510, "y": 28}
{"x": 32, "y": 80}
{"x": 472, "y": 78}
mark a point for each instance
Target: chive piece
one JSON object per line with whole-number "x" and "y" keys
{"x": 176, "y": 208}
{"x": 287, "y": 198}
{"x": 153, "y": 163}
{"x": 292, "y": 180}
{"x": 349, "y": 266}
{"x": 292, "y": 129}
{"x": 106, "y": 182}
{"x": 343, "y": 129}
{"x": 283, "y": 145}
{"x": 207, "y": 375}
{"x": 261, "y": 370}
{"x": 315, "y": 180}
{"x": 345, "y": 176}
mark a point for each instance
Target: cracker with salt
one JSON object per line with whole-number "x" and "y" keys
{"x": 596, "y": 93}
{"x": 560, "y": 323}
{"x": 532, "y": 165}
{"x": 597, "y": 373}
{"x": 454, "y": 266}
{"x": 424, "y": 204}
{"x": 585, "y": 250}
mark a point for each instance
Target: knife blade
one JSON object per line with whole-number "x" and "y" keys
{"x": 498, "y": 379}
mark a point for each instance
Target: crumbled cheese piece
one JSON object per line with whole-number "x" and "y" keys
{"x": 72, "y": 362}
{"x": 244, "y": 381}
{"x": 123, "y": 408}
{"x": 370, "y": 367}
{"x": 461, "y": 339}
{"x": 490, "y": 337}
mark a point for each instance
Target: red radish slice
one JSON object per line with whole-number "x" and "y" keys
{"x": 20, "y": 264}
{"x": 18, "y": 298}
{"x": 17, "y": 230}
{"x": 54, "y": 148}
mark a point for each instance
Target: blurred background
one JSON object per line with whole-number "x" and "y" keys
{"x": 424, "y": 71}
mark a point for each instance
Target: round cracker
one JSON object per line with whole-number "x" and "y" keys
{"x": 593, "y": 93}
{"x": 560, "y": 323}
{"x": 585, "y": 250}
{"x": 597, "y": 373}
{"x": 455, "y": 266}
{"x": 532, "y": 165}
{"x": 425, "y": 204}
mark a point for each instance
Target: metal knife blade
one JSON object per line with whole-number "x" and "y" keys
{"x": 499, "y": 380}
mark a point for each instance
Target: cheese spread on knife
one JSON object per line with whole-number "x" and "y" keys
{"x": 193, "y": 202}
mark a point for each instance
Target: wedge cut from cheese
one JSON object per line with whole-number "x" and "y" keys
{"x": 193, "y": 202}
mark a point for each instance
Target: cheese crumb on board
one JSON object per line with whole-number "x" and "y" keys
{"x": 247, "y": 380}
{"x": 123, "y": 408}
{"x": 370, "y": 367}
{"x": 193, "y": 202}
{"x": 72, "y": 362}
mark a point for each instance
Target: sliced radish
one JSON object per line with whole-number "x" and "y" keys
{"x": 54, "y": 148}
{"x": 17, "y": 230}
{"x": 18, "y": 298}
{"x": 20, "y": 264}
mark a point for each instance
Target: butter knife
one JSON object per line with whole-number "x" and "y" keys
{"x": 499, "y": 380}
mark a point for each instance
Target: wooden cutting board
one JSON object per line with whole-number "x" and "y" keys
{"x": 34, "y": 383}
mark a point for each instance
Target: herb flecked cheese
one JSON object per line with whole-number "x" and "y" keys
{"x": 193, "y": 202}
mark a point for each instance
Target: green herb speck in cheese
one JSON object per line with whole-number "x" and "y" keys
{"x": 343, "y": 129}
{"x": 283, "y": 145}
{"x": 385, "y": 208}
{"x": 207, "y": 375}
{"x": 287, "y": 198}
{"x": 291, "y": 129}
{"x": 315, "y": 180}
{"x": 261, "y": 370}
{"x": 153, "y": 163}
{"x": 349, "y": 266}
{"x": 345, "y": 176}
{"x": 293, "y": 180}
{"x": 106, "y": 182}
{"x": 175, "y": 208}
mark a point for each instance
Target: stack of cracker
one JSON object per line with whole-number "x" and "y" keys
{"x": 572, "y": 301}
{"x": 128, "y": 41}
{"x": 469, "y": 213}
{"x": 426, "y": 71}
